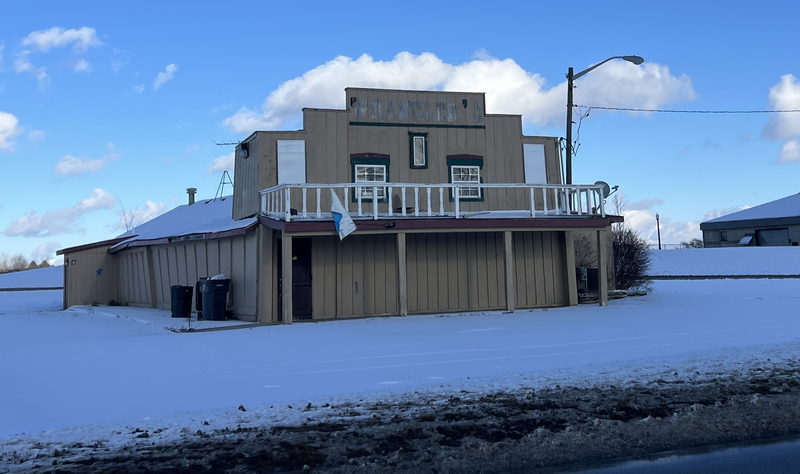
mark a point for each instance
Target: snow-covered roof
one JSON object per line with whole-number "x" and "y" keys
{"x": 784, "y": 207}
{"x": 203, "y": 217}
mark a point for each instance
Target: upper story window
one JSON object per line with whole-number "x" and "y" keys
{"x": 371, "y": 174}
{"x": 419, "y": 149}
{"x": 466, "y": 175}
{"x": 466, "y": 170}
{"x": 370, "y": 168}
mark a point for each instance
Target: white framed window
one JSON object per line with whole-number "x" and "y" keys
{"x": 419, "y": 150}
{"x": 466, "y": 174}
{"x": 370, "y": 174}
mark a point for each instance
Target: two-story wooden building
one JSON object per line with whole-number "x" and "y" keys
{"x": 454, "y": 209}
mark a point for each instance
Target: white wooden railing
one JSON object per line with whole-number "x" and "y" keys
{"x": 312, "y": 201}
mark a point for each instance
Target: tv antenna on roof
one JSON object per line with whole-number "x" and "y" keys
{"x": 226, "y": 179}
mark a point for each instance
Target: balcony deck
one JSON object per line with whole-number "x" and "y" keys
{"x": 415, "y": 201}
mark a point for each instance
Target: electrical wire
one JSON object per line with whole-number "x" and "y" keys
{"x": 674, "y": 111}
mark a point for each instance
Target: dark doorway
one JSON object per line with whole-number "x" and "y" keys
{"x": 301, "y": 278}
{"x": 770, "y": 237}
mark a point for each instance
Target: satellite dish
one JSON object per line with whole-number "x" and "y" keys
{"x": 606, "y": 188}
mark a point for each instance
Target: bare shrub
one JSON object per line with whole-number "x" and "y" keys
{"x": 631, "y": 257}
{"x": 584, "y": 252}
{"x": 692, "y": 244}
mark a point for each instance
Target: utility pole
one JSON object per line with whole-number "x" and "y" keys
{"x": 569, "y": 125}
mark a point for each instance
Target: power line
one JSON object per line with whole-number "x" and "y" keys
{"x": 673, "y": 111}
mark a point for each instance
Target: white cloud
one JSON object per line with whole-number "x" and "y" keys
{"x": 82, "y": 65}
{"x": 222, "y": 163}
{"x": 790, "y": 152}
{"x": 59, "y": 221}
{"x": 785, "y": 95}
{"x": 70, "y": 165}
{"x": 165, "y": 76}
{"x": 9, "y": 128}
{"x": 129, "y": 219}
{"x": 46, "y": 251}
{"x": 36, "y": 135}
{"x": 56, "y": 37}
{"x": 640, "y": 216}
{"x": 23, "y": 66}
{"x": 509, "y": 88}
{"x": 714, "y": 213}
{"x": 81, "y": 39}
{"x": 644, "y": 204}
{"x": 672, "y": 232}
{"x": 138, "y": 89}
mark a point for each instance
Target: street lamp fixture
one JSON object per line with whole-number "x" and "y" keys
{"x": 571, "y": 76}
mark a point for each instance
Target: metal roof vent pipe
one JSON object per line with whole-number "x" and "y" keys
{"x": 191, "y": 192}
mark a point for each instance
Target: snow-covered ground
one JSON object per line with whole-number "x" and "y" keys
{"x": 49, "y": 277}
{"x": 77, "y": 367}
{"x": 726, "y": 261}
{"x": 107, "y": 373}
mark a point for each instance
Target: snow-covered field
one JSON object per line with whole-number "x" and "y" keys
{"x": 49, "y": 277}
{"x": 733, "y": 261}
{"x": 95, "y": 373}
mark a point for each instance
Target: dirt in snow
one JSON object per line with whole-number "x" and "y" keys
{"x": 556, "y": 428}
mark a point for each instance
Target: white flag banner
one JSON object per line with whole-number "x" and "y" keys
{"x": 341, "y": 218}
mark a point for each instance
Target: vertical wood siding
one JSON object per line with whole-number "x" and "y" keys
{"x": 355, "y": 277}
{"x": 133, "y": 277}
{"x": 540, "y": 266}
{"x": 455, "y": 272}
{"x": 83, "y": 284}
{"x": 183, "y": 263}
{"x": 258, "y": 171}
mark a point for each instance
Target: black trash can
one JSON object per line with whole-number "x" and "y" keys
{"x": 198, "y": 299}
{"x": 181, "y": 301}
{"x": 215, "y": 298}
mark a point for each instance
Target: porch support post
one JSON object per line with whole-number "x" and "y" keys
{"x": 151, "y": 277}
{"x": 511, "y": 283}
{"x": 286, "y": 277}
{"x": 572, "y": 283}
{"x": 402, "y": 277}
{"x": 602, "y": 270}
{"x": 265, "y": 282}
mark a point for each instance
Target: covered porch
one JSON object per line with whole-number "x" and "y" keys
{"x": 406, "y": 265}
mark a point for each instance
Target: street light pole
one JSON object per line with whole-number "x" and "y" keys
{"x": 571, "y": 77}
{"x": 658, "y": 229}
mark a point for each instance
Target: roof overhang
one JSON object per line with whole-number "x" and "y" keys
{"x": 747, "y": 223}
{"x": 122, "y": 245}
{"x": 93, "y": 245}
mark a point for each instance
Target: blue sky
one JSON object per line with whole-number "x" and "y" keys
{"x": 110, "y": 105}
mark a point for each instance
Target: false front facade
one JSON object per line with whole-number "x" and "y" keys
{"x": 454, "y": 210}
